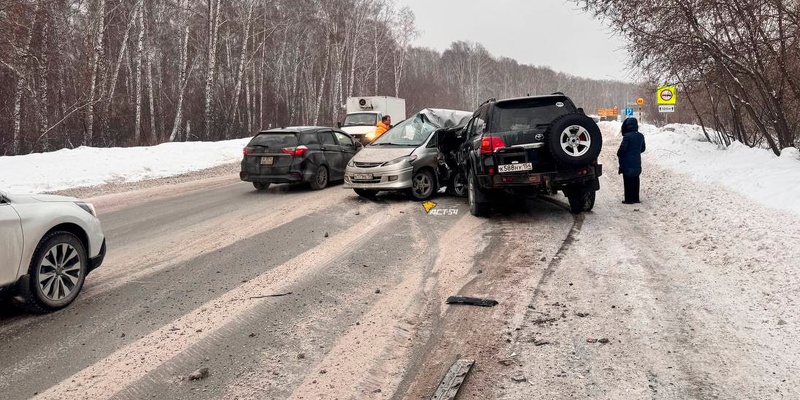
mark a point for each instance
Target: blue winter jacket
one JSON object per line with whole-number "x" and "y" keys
{"x": 631, "y": 149}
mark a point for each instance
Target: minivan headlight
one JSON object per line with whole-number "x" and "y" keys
{"x": 399, "y": 160}
{"x": 88, "y": 207}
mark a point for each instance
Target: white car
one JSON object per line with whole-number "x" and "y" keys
{"x": 48, "y": 244}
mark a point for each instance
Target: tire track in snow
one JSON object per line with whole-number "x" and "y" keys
{"x": 134, "y": 361}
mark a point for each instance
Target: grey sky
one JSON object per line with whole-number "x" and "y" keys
{"x": 553, "y": 33}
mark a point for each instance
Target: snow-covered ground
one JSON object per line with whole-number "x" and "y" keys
{"x": 90, "y": 166}
{"x": 756, "y": 173}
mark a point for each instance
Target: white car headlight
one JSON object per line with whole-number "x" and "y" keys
{"x": 88, "y": 207}
{"x": 352, "y": 163}
{"x": 410, "y": 159}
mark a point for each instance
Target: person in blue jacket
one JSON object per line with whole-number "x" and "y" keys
{"x": 630, "y": 159}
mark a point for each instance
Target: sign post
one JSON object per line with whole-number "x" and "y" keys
{"x": 640, "y": 103}
{"x": 666, "y": 97}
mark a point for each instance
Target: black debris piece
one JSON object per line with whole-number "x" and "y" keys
{"x": 472, "y": 301}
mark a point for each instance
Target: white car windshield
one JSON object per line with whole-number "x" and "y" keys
{"x": 411, "y": 132}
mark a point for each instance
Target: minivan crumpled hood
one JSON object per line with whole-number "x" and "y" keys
{"x": 376, "y": 154}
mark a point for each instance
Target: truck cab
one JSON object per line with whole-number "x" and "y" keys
{"x": 364, "y": 113}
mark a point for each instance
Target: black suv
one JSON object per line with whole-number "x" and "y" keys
{"x": 315, "y": 155}
{"x": 531, "y": 145}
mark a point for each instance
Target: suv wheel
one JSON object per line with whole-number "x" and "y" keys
{"x": 320, "y": 180}
{"x": 56, "y": 272}
{"x": 581, "y": 201}
{"x": 574, "y": 140}
{"x": 261, "y": 186}
{"x": 478, "y": 206}
{"x": 422, "y": 185}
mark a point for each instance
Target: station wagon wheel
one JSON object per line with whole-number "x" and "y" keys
{"x": 422, "y": 185}
{"x": 320, "y": 180}
{"x": 56, "y": 273}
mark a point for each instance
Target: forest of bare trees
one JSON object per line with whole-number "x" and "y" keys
{"x": 737, "y": 62}
{"x": 136, "y": 72}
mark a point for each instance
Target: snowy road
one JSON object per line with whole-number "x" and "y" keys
{"x": 696, "y": 290}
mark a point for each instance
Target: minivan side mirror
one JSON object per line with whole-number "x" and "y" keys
{"x": 580, "y": 110}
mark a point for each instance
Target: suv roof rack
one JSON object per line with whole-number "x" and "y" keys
{"x": 489, "y": 101}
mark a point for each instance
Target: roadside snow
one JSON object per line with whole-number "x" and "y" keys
{"x": 89, "y": 166}
{"x": 756, "y": 173}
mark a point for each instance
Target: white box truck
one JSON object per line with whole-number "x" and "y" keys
{"x": 363, "y": 114}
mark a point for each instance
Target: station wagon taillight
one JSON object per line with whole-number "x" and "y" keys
{"x": 247, "y": 151}
{"x": 295, "y": 151}
{"x": 491, "y": 143}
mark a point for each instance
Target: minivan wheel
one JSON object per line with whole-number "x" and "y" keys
{"x": 320, "y": 180}
{"x": 422, "y": 185}
{"x": 458, "y": 186}
{"x": 56, "y": 273}
{"x": 261, "y": 186}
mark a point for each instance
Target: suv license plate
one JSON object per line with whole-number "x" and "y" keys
{"x": 266, "y": 160}
{"x": 515, "y": 167}
{"x": 362, "y": 177}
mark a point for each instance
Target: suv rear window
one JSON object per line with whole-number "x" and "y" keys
{"x": 274, "y": 139}
{"x": 528, "y": 114}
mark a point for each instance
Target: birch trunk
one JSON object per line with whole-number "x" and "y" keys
{"x": 149, "y": 66}
{"x": 213, "y": 29}
{"x": 238, "y": 89}
{"x": 22, "y": 71}
{"x": 44, "y": 72}
{"x": 184, "y": 65}
{"x": 137, "y": 133}
{"x": 115, "y": 74}
{"x": 88, "y": 137}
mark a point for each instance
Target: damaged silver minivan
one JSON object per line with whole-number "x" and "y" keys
{"x": 406, "y": 158}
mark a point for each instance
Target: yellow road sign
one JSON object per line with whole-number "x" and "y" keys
{"x": 666, "y": 95}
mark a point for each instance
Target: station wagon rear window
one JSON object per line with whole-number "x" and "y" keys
{"x": 276, "y": 139}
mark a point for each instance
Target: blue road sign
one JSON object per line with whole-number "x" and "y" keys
{"x": 629, "y": 112}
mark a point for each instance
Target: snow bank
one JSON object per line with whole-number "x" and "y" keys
{"x": 756, "y": 173}
{"x": 89, "y": 166}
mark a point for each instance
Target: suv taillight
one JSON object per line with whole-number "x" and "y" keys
{"x": 247, "y": 151}
{"x": 491, "y": 143}
{"x": 295, "y": 151}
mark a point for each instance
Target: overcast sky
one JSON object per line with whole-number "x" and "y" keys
{"x": 553, "y": 33}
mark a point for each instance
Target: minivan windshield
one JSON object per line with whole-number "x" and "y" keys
{"x": 411, "y": 132}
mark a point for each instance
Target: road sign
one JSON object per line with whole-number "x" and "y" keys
{"x": 666, "y": 95}
{"x": 640, "y": 101}
{"x": 629, "y": 112}
{"x": 666, "y": 109}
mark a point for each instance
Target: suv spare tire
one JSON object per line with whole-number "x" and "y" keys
{"x": 574, "y": 140}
